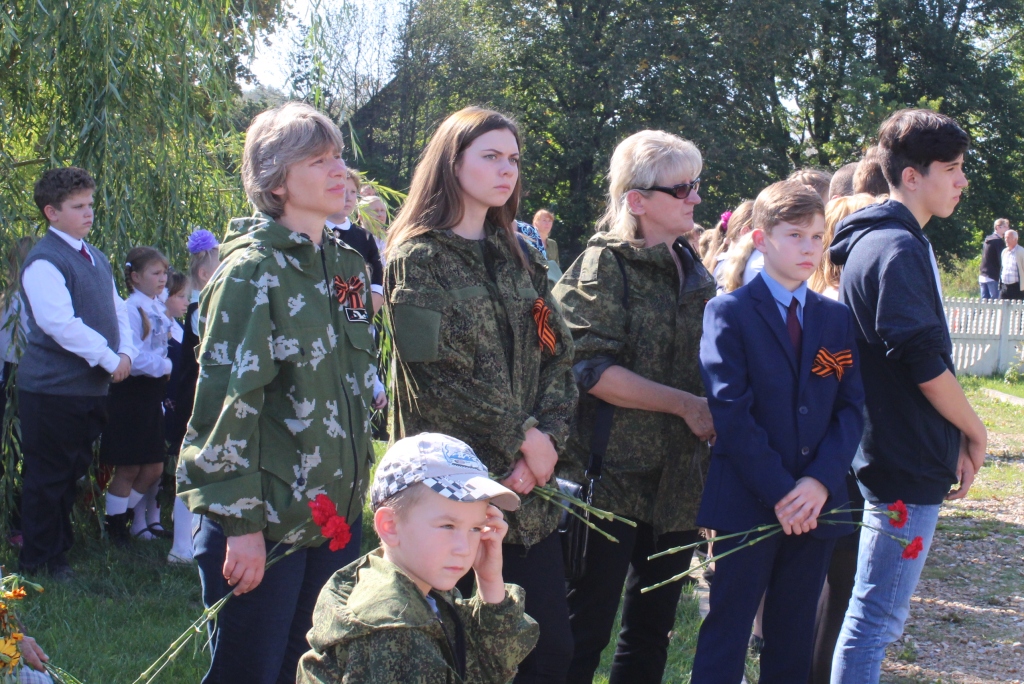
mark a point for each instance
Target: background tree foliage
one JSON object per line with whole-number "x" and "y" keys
{"x": 140, "y": 93}
{"x": 762, "y": 86}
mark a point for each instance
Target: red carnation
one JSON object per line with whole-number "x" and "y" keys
{"x": 913, "y": 548}
{"x": 338, "y": 531}
{"x": 323, "y": 510}
{"x": 897, "y": 514}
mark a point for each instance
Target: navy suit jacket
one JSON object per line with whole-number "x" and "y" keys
{"x": 776, "y": 421}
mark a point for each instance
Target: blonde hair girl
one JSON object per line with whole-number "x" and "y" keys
{"x": 825, "y": 280}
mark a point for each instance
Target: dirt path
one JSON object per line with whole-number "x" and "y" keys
{"x": 967, "y": 619}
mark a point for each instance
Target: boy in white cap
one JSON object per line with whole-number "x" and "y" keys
{"x": 394, "y": 615}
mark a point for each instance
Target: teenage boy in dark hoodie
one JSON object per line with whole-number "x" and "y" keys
{"x": 921, "y": 437}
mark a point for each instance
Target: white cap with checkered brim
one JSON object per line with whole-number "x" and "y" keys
{"x": 443, "y": 463}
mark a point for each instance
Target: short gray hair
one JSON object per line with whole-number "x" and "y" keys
{"x": 276, "y": 139}
{"x": 638, "y": 162}
{"x": 1009, "y": 233}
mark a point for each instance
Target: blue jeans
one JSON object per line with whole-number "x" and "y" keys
{"x": 989, "y": 290}
{"x": 260, "y": 636}
{"x": 881, "y": 595}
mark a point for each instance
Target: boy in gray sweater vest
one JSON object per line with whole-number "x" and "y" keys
{"x": 79, "y": 341}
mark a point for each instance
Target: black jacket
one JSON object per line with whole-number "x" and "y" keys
{"x": 909, "y": 451}
{"x": 991, "y": 251}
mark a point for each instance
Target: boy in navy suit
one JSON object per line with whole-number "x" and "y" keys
{"x": 780, "y": 367}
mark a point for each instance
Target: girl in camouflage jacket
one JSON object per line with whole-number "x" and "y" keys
{"x": 282, "y": 404}
{"x": 634, "y": 301}
{"x": 482, "y": 353}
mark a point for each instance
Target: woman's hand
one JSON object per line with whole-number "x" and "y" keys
{"x": 244, "y": 562}
{"x": 489, "y": 582}
{"x": 521, "y": 480}
{"x": 539, "y": 453}
{"x": 694, "y": 410}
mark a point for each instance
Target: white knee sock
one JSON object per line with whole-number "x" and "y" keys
{"x": 182, "y": 547}
{"x": 138, "y": 514}
{"x": 116, "y": 505}
{"x": 134, "y": 498}
{"x": 152, "y": 507}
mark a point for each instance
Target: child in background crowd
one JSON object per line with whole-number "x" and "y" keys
{"x": 133, "y": 441}
{"x": 204, "y": 260}
{"x": 147, "y": 512}
{"x": 176, "y": 307}
{"x": 395, "y": 615}
{"x": 79, "y": 341}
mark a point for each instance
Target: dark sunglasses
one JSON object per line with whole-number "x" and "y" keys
{"x": 681, "y": 191}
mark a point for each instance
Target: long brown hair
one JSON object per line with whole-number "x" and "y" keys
{"x": 827, "y": 273}
{"x": 435, "y": 196}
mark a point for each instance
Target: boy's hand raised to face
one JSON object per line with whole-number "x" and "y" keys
{"x": 487, "y": 566}
{"x": 798, "y": 511}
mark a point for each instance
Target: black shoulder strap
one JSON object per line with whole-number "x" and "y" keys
{"x": 605, "y": 412}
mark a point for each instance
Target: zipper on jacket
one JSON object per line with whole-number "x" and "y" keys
{"x": 341, "y": 384}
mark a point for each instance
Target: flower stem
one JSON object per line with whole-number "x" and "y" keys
{"x": 585, "y": 521}
{"x": 709, "y": 561}
{"x": 677, "y": 549}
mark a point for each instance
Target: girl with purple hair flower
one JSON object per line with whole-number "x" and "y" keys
{"x": 204, "y": 250}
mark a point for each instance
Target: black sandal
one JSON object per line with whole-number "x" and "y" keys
{"x": 157, "y": 530}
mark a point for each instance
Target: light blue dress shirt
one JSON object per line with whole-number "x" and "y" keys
{"x": 783, "y": 297}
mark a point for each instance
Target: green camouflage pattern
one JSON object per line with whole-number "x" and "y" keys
{"x": 654, "y": 468}
{"x": 468, "y": 361}
{"x": 372, "y": 624}
{"x": 283, "y": 400}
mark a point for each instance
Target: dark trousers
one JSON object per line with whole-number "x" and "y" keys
{"x": 260, "y": 636}
{"x": 1010, "y": 291}
{"x": 57, "y": 433}
{"x": 835, "y": 598}
{"x": 541, "y": 572}
{"x": 647, "y": 619}
{"x": 792, "y": 570}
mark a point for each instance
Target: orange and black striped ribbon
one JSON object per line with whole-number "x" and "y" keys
{"x": 826, "y": 363}
{"x": 541, "y": 314}
{"x": 348, "y": 292}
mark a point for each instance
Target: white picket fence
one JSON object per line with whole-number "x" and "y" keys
{"x": 987, "y": 334}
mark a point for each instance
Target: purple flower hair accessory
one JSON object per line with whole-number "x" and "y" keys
{"x": 725, "y": 220}
{"x": 201, "y": 240}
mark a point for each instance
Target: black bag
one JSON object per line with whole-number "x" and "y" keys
{"x": 574, "y": 532}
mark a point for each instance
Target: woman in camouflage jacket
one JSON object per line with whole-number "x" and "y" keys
{"x": 634, "y": 301}
{"x": 282, "y": 405}
{"x": 482, "y": 353}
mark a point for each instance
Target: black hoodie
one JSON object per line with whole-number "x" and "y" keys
{"x": 909, "y": 451}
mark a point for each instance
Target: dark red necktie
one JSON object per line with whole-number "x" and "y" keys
{"x": 793, "y": 326}
{"x": 85, "y": 253}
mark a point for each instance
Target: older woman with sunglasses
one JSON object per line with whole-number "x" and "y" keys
{"x": 634, "y": 301}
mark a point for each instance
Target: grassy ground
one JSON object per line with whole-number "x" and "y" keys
{"x": 125, "y": 607}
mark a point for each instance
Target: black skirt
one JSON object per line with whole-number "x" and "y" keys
{"x": 134, "y": 434}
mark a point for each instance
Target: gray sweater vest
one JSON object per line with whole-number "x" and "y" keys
{"x": 48, "y": 368}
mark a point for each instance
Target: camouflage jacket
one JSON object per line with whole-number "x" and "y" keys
{"x": 654, "y": 468}
{"x": 468, "y": 358}
{"x": 372, "y": 624}
{"x": 286, "y": 374}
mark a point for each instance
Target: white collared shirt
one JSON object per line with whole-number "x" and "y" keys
{"x": 1009, "y": 274}
{"x": 151, "y": 360}
{"x": 48, "y": 295}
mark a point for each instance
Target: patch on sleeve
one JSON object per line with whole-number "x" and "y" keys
{"x": 591, "y": 265}
{"x": 417, "y": 333}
